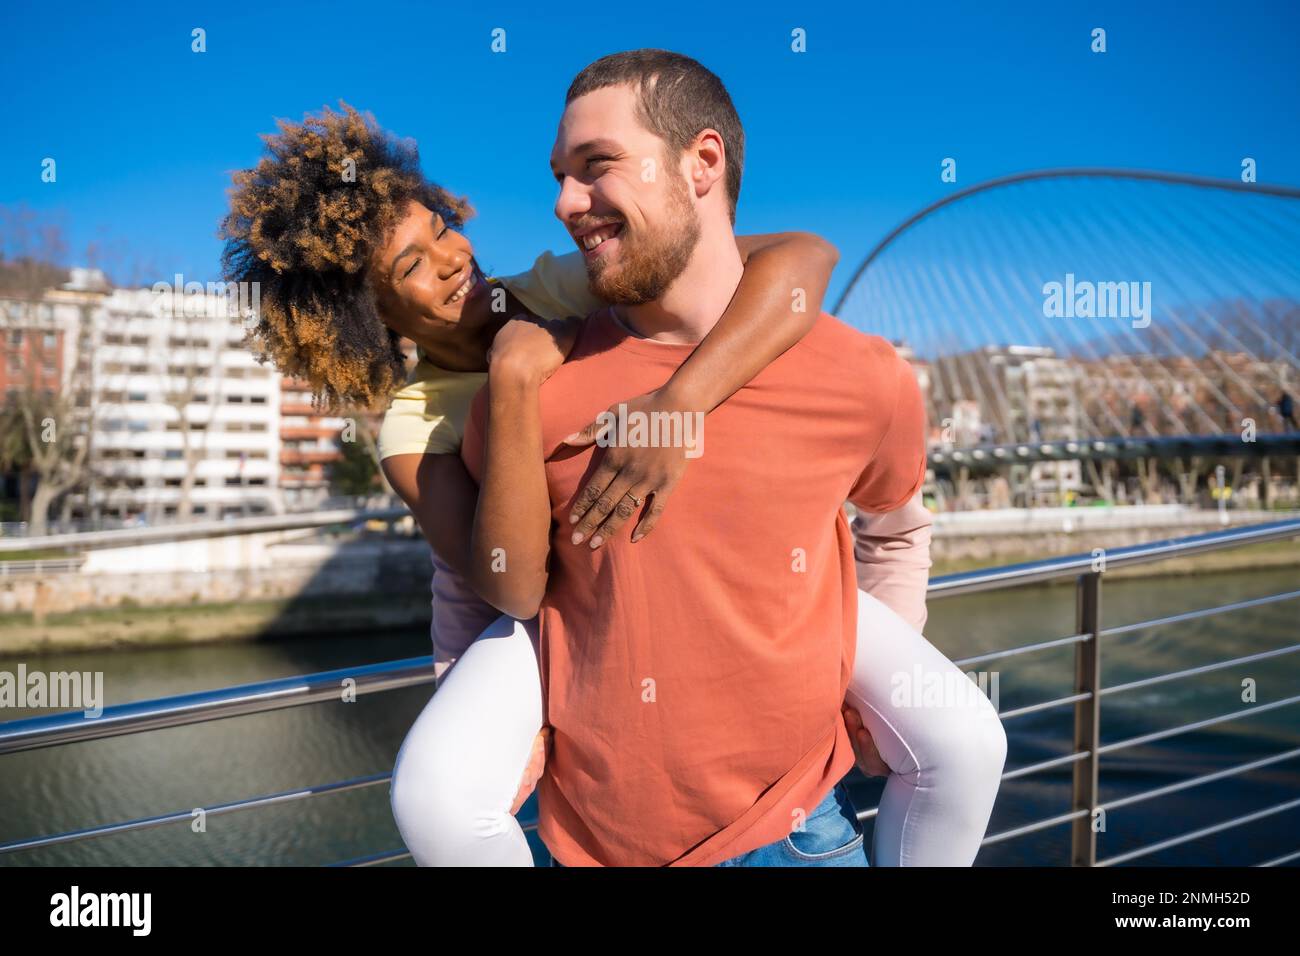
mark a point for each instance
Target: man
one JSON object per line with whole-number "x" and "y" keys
{"x": 693, "y": 679}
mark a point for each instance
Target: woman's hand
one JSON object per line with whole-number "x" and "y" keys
{"x": 869, "y": 761}
{"x": 532, "y": 772}
{"x": 532, "y": 348}
{"x": 632, "y": 478}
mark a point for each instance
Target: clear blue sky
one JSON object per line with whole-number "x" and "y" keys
{"x": 844, "y": 140}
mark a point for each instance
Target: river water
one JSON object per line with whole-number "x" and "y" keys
{"x": 80, "y": 785}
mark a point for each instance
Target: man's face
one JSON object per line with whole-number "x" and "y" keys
{"x": 623, "y": 199}
{"x": 425, "y": 277}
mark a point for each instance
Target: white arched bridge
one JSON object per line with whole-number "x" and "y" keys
{"x": 1078, "y": 323}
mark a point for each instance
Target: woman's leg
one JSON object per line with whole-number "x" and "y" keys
{"x": 939, "y": 735}
{"x": 460, "y": 765}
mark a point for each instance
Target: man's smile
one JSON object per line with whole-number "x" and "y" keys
{"x": 592, "y": 240}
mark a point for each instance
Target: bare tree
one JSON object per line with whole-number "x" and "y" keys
{"x": 31, "y": 246}
{"x": 53, "y": 445}
{"x": 43, "y": 434}
{"x": 30, "y": 249}
{"x": 182, "y": 398}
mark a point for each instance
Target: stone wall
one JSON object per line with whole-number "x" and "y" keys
{"x": 295, "y": 571}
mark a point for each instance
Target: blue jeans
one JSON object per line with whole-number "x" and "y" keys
{"x": 831, "y": 836}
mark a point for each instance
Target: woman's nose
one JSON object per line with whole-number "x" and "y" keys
{"x": 453, "y": 260}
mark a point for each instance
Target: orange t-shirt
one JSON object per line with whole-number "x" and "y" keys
{"x": 694, "y": 680}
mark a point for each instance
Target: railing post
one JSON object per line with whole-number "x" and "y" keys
{"x": 1087, "y": 718}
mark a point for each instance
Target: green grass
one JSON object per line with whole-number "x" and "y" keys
{"x": 40, "y": 554}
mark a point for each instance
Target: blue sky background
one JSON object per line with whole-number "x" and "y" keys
{"x": 844, "y": 140}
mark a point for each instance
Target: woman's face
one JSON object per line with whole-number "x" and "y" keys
{"x": 427, "y": 282}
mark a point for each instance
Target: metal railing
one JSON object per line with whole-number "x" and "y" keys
{"x": 1084, "y": 756}
{"x": 13, "y": 569}
{"x": 194, "y": 530}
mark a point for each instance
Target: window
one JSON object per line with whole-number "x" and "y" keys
{"x": 137, "y": 397}
{"x": 235, "y": 399}
{"x": 172, "y": 454}
{"x": 50, "y": 340}
{"x": 15, "y": 336}
{"x": 257, "y": 400}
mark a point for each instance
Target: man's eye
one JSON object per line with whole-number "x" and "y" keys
{"x": 592, "y": 160}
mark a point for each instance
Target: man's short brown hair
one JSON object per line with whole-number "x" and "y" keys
{"x": 677, "y": 97}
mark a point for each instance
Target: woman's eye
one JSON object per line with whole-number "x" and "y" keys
{"x": 412, "y": 269}
{"x": 445, "y": 230}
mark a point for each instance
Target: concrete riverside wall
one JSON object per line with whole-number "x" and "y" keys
{"x": 268, "y": 567}
{"x": 293, "y": 571}
{"x": 989, "y": 536}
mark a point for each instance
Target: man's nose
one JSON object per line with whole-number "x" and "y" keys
{"x": 574, "y": 200}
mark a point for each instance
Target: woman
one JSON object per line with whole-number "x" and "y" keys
{"x": 354, "y": 249}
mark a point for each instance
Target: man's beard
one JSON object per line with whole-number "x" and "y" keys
{"x": 648, "y": 264}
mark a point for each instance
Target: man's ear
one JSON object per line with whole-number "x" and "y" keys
{"x": 708, "y": 159}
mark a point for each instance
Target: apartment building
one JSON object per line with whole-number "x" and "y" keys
{"x": 309, "y": 445}
{"x": 182, "y": 419}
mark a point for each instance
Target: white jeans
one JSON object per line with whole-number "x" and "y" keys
{"x": 460, "y": 765}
